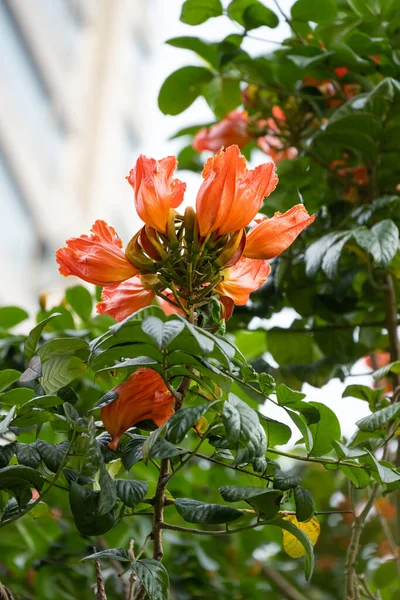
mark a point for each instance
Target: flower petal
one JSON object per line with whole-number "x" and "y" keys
{"x": 96, "y": 258}
{"x": 272, "y": 236}
{"x": 247, "y": 276}
{"x": 232, "y": 129}
{"x": 124, "y": 299}
{"x": 155, "y": 189}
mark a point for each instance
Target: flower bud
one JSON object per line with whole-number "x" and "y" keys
{"x": 233, "y": 250}
{"x": 173, "y": 241}
{"x": 191, "y": 227}
{"x": 137, "y": 257}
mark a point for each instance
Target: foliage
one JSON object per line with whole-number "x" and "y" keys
{"x": 215, "y": 474}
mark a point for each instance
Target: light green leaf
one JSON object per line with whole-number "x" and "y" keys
{"x": 317, "y": 11}
{"x": 11, "y": 316}
{"x": 181, "y": 89}
{"x": 59, "y": 372}
{"x": 7, "y": 377}
{"x": 80, "y": 299}
{"x": 195, "y": 12}
{"x": 34, "y": 336}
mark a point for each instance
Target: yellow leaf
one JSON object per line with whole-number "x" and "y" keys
{"x": 291, "y": 544}
{"x": 201, "y": 425}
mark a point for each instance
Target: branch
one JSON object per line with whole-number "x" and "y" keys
{"x": 5, "y": 593}
{"x": 279, "y": 582}
{"x": 289, "y": 22}
{"x": 100, "y": 589}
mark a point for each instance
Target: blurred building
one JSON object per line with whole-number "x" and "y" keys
{"x": 70, "y": 127}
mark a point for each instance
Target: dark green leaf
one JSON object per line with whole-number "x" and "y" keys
{"x": 16, "y": 396}
{"x": 195, "y": 12}
{"x": 108, "y": 493}
{"x": 284, "y": 481}
{"x": 277, "y": 433}
{"x": 52, "y": 455}
{"x": 154, "y": 578}
{"x": 266, "y": 502}
{"x": 193, "y": 511}
{"x": 133, "y": 450}
{"x": 182, "y": 88}
{"x": 84, "y": 505}
{"x": 28, "y": 455}
{"x": 243, "y": 430}
{"x": 180, "y": 423}
{"x": 131, "y": 492}
{"x": 304, "y": 504}
{"x": 6, "y": 453}
{"x": 17, "y": 476}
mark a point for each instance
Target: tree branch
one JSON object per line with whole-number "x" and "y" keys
{"x": 283, "y": 586}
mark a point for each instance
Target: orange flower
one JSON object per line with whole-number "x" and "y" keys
{"x": 385, "y": 508}
{"x": 231, "y": 130}
{"x": 341, "y": 71}
{"x": 269, "y": 237}
{"x": 230, "y": 196}
{"x": 156, "y": 192}
{"x": 122, "y": 300}
{"x": 96, "y": 258}
{"x": 143, "y": 396}
{"x": 242, "y": 279}
{"x": 375, "y": 361}
{"x": 274, "y": 147}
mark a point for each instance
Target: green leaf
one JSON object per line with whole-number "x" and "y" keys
{"x": 11, "y": 316}
{"x": 252, "y": 14}
{"x": 387, "y": 234}
{"x": 243, "y": 430}
{"x": 303, "y": 539}
{"x": 277, "y": 433}
{"x": 34, "y": 336}
{"x": 195, "y": 12}
{"x": 180, "y": 423}
{"x": 80, "y": 300}
{"x": 304, "y": 504}
{"x": 59, "y": 372}
{"x": 359, "y": 477}
{"x": 288, "y": 397}
{"x": 84, "y": 505}
{"x": 6, "y": 453}
{"x": 133, "y": 450}
{"x": 284, "y": 481}
{"x": 16, "y": 396}
{"x": 343, "y": 451}
{"x": 363, "y": 392}
{"x": 317, "y": 11}
{"x": 131, "y": 492}
{"x": 119, "y": 554}
{"x": 34, "y": 370}
{"x": 39, "y": 402}
{"x": 290, "y": 349}
{"x": 202, "y": 49}
{"x": 17, "y": 476}
{"x": 162, "y": 333}
{"x": 60, "y": 347}
{"x": 193, "y": 511}
{"x": 393, "y": 367}
{"x": 386, "y": 474}
{"x": 150, "y": 443}
{"x": 108, "y": 492}
{"x": 315, "y": 252}
{"x": 222, "y": 95}
{"x": 181, "y": 89}
{"x": 7, "y": 377}
{"x": 266, "y": 502}
{"x": 27, "y": 455}
{"x": 52, "y": 454}
{"x": 325, "y": 431}
{"x": 368, "y": 9}
{"x": 330, "y": 262}
{"x": 302, "y": 426}
{"x": 378, "y": 419}
{"x": 154, "y": 578}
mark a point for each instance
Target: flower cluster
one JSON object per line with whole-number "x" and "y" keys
{"x": 183, "y": 260}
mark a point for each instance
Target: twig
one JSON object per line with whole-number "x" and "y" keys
{"x": 289, "y": 22}
{"x": 100, "y": 589}
{"x": 288, "y": 591}
{"x": 5, "y": 593}
{"x": 132, "y": 577}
